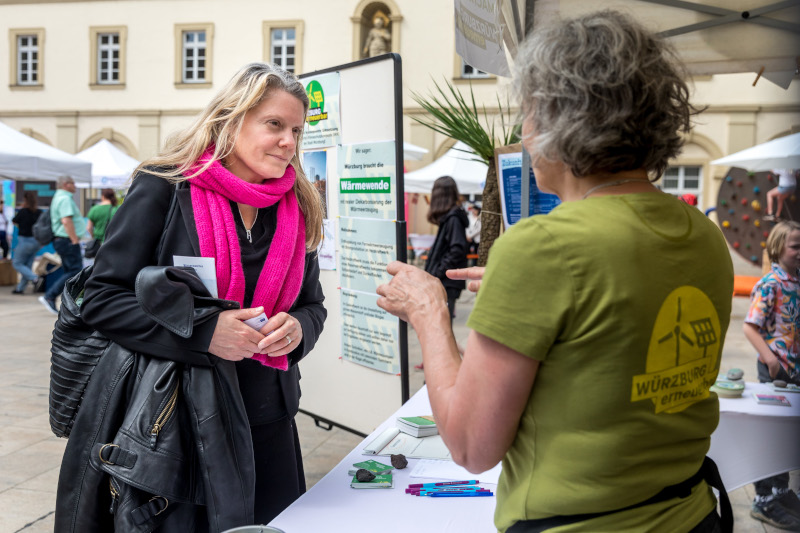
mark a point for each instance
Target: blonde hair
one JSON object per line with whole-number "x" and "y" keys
{"x": 776, "y": 241}
{"x": 220, "y": 123}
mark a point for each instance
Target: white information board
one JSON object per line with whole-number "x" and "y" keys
{"x": 357, "y": 374}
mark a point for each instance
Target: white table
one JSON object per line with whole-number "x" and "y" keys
{"x": 332, "y": 506}
{"x": 752, "y": 442}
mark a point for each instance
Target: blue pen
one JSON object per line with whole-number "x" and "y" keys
{"x": 451, "y": 491}
{"x": 459, "y": 494}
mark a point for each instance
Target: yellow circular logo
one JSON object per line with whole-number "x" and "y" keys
{"x": 684, "y": 352}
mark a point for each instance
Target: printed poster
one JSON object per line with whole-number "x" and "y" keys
{"x": 366, "y": 247}
{"x": 367, "y": 180}
{"x": 315, "y": 165}
{"x": 509, "y": 176}
{"x": 323, "y": 126}
{"x": 370, "y": 335}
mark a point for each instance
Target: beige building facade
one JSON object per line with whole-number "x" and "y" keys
{"x": 134, "y": 71}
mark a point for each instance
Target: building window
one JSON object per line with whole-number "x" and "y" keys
{"x": 283, "y": 44}
{"x": 468, "y": 71}
{"x": 193, "y": 54}
{"x": 681, "y": 180}
{"x": 194, "y": 57}
{"x": 108, "y": 58}
{"x": 26, "y": 61}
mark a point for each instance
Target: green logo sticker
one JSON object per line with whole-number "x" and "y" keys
{"x": 381, "y": 185}
{"x": 316, "y": 103}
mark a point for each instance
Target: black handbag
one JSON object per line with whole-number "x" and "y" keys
{"x": 91, "y": 249}
{"x": 75, "y": 349}
{"x": 94, "y": 245}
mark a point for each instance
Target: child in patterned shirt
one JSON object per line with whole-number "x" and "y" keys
{"x": 772, "y": 326}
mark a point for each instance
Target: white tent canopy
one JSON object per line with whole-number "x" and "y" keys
{"x": 25, "y": 158}
{"x": 413, "y": 152}
{"x": 470, "y": 175}
{"x": 111, "y": 167}
{"x": 783, "y": 152}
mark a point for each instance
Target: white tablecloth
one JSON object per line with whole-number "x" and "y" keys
{"x": 752, "y": 441}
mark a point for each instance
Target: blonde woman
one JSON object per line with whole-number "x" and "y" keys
{"x": 243, "y": 200}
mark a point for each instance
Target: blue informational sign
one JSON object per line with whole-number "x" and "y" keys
{"x": 510, "y": 179}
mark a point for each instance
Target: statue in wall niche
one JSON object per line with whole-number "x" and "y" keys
{"x": 378, "y": 39}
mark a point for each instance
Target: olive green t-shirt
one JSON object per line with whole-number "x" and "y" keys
{"x": 625, "y": 300}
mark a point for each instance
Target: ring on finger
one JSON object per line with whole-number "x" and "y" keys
{"x": 289, "y": 339}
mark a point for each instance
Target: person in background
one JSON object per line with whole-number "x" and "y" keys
{"x": 69, "y": 227}
{"x": 27, "y": 245}
{"x": 3, "y": 229}
{"x": 772, "y": 326}
{"x": 787, "y": 185}
{"x": 100, "y": 215}
{"x": 578, "y": 313}
{"x": 474, "y": 229}
{"x": 243, "y": 200}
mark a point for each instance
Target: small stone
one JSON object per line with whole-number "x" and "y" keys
{"x": 735, "y": 373}
{"x": 399, "y": 461}
{"x": 780, "y": 383}
{"x": 364, "y": 476}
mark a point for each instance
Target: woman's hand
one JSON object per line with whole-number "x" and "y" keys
{"x": 412, "y": 292}
{"x": 474, "y": 274}
{"x": 283, "y": 334}
{"x": 234, "y": 340}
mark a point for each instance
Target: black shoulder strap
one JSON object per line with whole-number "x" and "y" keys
{"x": 173, "y": 204}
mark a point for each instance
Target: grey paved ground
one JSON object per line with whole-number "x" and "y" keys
{"x": 30, "y": 455}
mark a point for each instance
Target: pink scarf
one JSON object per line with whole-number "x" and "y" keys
{"x": 280, "y": 279}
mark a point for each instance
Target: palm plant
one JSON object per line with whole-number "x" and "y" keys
{"x": 454, "y": 117}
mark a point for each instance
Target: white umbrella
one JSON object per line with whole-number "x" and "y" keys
{"x": 111, "y": 167}
{"x": 783, "y": 152}
{"x": 413, "y": 152}
{"x": 25, "y": 158}
{"x": 470, "y": 175}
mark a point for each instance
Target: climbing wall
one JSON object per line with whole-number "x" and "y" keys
{"x": 741, "y": 206}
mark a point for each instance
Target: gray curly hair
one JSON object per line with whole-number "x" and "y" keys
{"x": 604, "y": 95}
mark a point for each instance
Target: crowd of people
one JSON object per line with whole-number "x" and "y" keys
{"x": 561, "y": 331}
{"x": 68, "y": 227}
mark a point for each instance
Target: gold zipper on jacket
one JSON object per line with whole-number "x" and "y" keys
{"x": 164, "y": 416}
{"x": 114, "y": 495}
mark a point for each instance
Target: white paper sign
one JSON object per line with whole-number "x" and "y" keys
{"x": 204, "y": 266}
{"x": 326, "y": 253}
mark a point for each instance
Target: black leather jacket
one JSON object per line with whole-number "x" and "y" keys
{"x": 152, "y": 436}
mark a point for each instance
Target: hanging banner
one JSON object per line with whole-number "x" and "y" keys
{"x": 323, "y": 126}
{"x": 370, "y": 335}
{"x": 509, "y": 177}
{"x": 367, "y": 181}
{"x": 479, "y": 36}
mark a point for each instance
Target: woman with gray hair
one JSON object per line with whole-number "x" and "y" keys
{"x": 596, "y": 333}
{"x": 229, "y": 187}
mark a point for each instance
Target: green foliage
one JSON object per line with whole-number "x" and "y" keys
{"x": 454, "y": 117}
